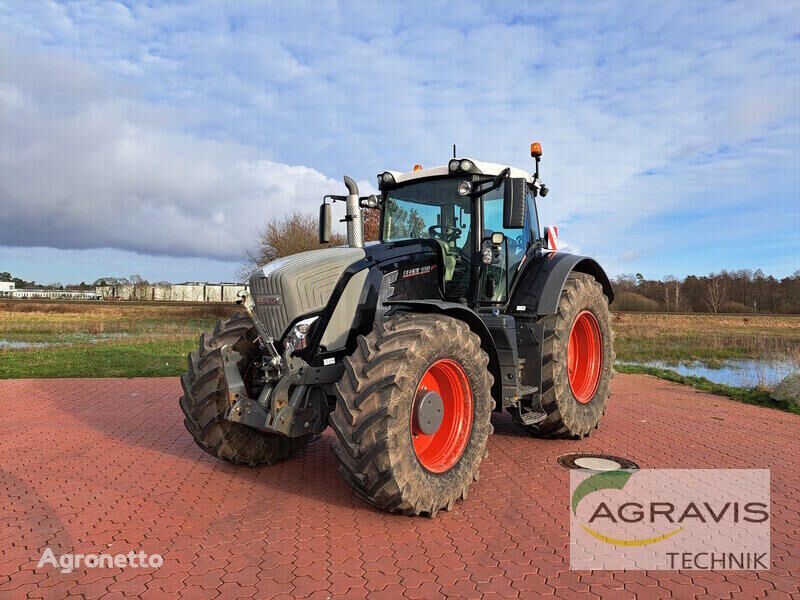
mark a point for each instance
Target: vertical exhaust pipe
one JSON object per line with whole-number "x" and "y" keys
{"x": 355, "y": 227}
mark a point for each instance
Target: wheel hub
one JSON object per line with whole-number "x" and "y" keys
{"x": 584, "y": 356}
{"x": 441, "y": 416}
{"x": 429, "y": 413}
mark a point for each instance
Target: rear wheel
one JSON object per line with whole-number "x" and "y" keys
{"x": 412, "y": 413}
{"x": 205, "y": 399}
{"x": 577, "y": 362}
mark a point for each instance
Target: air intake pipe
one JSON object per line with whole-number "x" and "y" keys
{"x": 355, "y": 227}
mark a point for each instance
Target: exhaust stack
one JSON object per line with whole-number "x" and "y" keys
{"x": 355, "y": 227}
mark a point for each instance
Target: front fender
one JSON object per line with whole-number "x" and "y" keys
{"x": 542, "y": 280}
{"x": 475, "y": 323}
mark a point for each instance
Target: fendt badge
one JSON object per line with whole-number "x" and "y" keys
{"x": 273, "y": 300}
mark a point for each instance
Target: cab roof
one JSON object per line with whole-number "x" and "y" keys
{"x": 481, "y": 168}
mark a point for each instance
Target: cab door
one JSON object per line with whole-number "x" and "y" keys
{"x": 497, "y": 277}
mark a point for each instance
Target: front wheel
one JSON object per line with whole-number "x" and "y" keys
{"x": 577, "y": 362}
{"x": 413, "y": 413}
{"x": 205, "y": 399}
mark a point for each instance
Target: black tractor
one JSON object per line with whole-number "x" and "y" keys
{"x": 405, "y": 346}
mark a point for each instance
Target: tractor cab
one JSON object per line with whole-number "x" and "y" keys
{"x": 482, "y": 216}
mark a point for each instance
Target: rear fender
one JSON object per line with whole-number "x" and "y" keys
{"x": 539, "y": 286}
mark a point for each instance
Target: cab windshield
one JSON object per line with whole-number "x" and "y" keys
{"x": 433, "y": 209}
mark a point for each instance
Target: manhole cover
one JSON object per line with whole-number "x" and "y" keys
{"x": 596, "y": 462}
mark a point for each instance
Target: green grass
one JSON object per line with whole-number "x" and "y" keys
{"x": 707, "y": 338}
{"x": 676, "y": 349}
{"x": 102, "y": 339}
{"x": 152, "y": 358}
{"x": 755, "y": 396}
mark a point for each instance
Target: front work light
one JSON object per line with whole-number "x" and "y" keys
{"x": 464, "y": 188}
{"x": 453, "y": 164}
{"x": 466, "y": 165}
{"x": 297, "y": 338}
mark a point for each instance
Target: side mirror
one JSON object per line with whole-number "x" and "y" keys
{"x": 370, "y": 201}
{"x": 514, "y": 203}
{"x": 325, "y": 223}
{"x": 498, "y": 237}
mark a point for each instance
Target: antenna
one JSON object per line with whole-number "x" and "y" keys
{"x": 454, "y": 150}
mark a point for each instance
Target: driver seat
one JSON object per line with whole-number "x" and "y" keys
{"x": 449, "y": 258}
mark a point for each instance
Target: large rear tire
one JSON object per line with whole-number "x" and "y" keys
{"x": 205, "y": 399}
{"x": 577, "y": 362}
{"x": 409, "y": 372}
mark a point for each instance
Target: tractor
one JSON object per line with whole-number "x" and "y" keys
{"x": 406, "y": 346}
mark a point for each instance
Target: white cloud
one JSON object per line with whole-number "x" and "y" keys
{"x": 84, "y": 166}
{"x": 172, "y": 129}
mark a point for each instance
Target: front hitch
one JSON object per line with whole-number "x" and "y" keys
{"x": 243, "y": 409}
{"x": 275, "y": 411}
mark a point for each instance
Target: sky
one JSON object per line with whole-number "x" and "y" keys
{"x": 157, "y": 139}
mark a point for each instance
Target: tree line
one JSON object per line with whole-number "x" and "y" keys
{"x": 743, "y": 291}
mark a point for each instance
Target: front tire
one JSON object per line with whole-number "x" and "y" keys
{"x": 205, "y": 400}
{"x": 577, "y": 362}
{"x": 407, "y": 374}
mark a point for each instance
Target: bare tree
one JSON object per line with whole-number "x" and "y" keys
{"x": 676, "y": 286}
{"x": 296, "y": 232}
{"x": 715, "y": 292}
{"x": 372, "y": 223}
{"x": 140, "y": 287}
{"x": 672, "y": 292}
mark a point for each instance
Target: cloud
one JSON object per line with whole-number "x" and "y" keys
{"x": 84, "y": 165}
{"x": 171, "y": 128}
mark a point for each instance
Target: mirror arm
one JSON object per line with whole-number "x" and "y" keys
{"x": 496, "y": 183}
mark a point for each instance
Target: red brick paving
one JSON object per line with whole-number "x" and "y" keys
{"x": 105, "y": 466}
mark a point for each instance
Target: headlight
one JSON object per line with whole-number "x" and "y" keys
{"x": 297, "y": 337}
{"x": 464, "y": 188}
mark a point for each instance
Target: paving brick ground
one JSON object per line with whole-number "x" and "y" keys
{"x": 105, "y": 466}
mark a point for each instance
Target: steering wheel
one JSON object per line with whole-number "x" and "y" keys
{"x": 445, "y": 232}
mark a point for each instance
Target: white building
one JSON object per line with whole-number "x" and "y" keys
{"x": 55, "y": 294}
{"x": 6, "y": 289}
{"x": 191, "y": 291}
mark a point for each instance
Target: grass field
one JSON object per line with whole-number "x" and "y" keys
{"x": 100, "y": 339}
{"x": 659, "y": 336}
{"x": 68, "y": 339}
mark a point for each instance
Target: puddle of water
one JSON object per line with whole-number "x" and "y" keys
{"x": 735, "y": 372}
{"x": 17, "y": 345}
{"x": 66, "y": 341}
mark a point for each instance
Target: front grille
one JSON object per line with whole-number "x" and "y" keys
{"x": 274, "y": 316}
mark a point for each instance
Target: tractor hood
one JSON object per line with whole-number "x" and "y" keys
{"x": 298, "y": 285}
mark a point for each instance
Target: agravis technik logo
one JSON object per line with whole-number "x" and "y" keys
{"x": 669, "y": 519}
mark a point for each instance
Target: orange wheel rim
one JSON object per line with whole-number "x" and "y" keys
{"x": 446, "y": 383}
{"x": 584, "y": 356}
